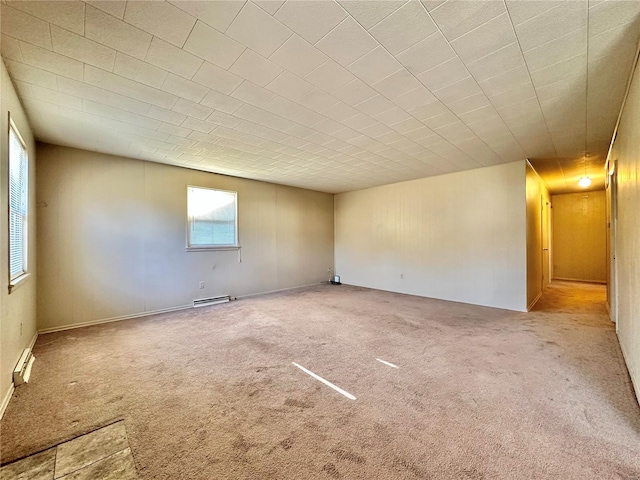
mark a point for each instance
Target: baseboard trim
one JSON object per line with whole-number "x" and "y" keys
{"x": 580, "y": 280}
{"x": 6, "y": 399}
{"x": 249, "y": 295}
{"x": 33, "y": 341}
{"x": 535, "y": 300}
{"x": 636, "y": 386}
{"x": 112, "y": 319}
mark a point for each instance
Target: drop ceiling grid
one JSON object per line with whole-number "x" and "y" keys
{"x": 421, "y": 145}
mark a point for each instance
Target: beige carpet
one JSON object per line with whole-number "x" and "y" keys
{"x": 211, "y": 393}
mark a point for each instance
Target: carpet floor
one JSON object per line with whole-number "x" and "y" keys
{"x": 212, "y": 393}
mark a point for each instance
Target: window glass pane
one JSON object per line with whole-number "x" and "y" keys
{"x": 18, "y": 205}
{"x": 212, "y": 217}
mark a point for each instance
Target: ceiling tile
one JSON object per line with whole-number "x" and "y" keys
{"x": 311, "y": 19}
{"x": 298, "y": 56}
{"x": 161, "y": 19}
{"x": 255, "y": 68}
{"x": 405, "y": 27}
{"x": 99, "y": 95}
{"x": 415, "y": 98}
{"x": 558, "y": 71}
{"x": 563, "y": 48}
{"x": 374, "y": 66}
{"x": 33, "y": 75}
{"x": 114, "y": 33}
{"x": 347, "y": 42}
{"x": 221, "y": 102}
{"x": 468, "y": 104}
{"x": 330, "y": 76}
{"x": 192, "y": 109}
{"x": 217, "y": 78}
{"x": 552, "y": 24}
{"x": 80, "y": 48}
{"x": 318, "y": 100}
{"x": 370, "y": 12}
{"x": 520, "y": 11}
{"x": 184, "y": 88}
{"x": 484, "y": 40}
{"x": 506, "y": 58}
{"x": 50, "y": 61}
{"x": 124, "y": 86}
{"x": 444, "y": 74}
{"x": 218, "y": 14}
{"x": 65, "y": 14}
{"x": 256, "y": 29}
{"x": 253, "y": 94}
{"x": 10, "y": 48}
{"x": 112, "y": 7}
{"x": 426, "y": 54}
{"x": 213, "y": 46}
{"x": 375, "y": 105}
{"x": 290, "y": 86}
{"x": 457, "y": 17}
{"x": 397, "y": 84}
{"x": 22, "y": 26}
{"x": 198, "y": 125}
{"x": 167, "y": 116}
{"x": 506, "y": 80}
{"x": 55, "y": 97}
{"x": 459, "y": 90}
{"x": 607, "y": 15}
{"x": 221, "y": 118}
{"x": 269, "y": 6}
{"x": 166, "y": 56}
{"x": 119, "y": 115}
{"x": 393, "y": 116}
{"x": 139, "y": 71}
{"x": 354, "y": 92}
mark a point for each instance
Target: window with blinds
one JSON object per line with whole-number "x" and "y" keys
{"x": 18, "y": 204}
{"x": 212, "y": 220}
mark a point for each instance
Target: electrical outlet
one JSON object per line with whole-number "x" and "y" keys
{"x": 201, "y": 285}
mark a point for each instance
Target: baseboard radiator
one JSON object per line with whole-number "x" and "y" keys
{"x": 22, "y": 372}
{"x": 204, "y": 302}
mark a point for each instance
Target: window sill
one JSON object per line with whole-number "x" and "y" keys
{"x": 16, "y": 282}
{"x": 206, "y": 249}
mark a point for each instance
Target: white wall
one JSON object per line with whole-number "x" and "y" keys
{"x": 580, "y": 236}
{"x": 113, "y": 229}
{"x": 626, "y": 150}
{"x": 17, "y": 309}
{"x": 459, "y": 237}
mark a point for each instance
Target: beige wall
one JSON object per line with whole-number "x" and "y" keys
{"x": 580, "y": 236}
{"x": 18, "y": 309}
{"x": 626, "y": 151}
{"x": 113, "y": 231}
{"x": 537, "y": 236}
{"x": 458, "y": 237}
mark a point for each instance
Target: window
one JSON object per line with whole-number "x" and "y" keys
{"x": 212, "y": 220}
{"x": 18, "y": 206}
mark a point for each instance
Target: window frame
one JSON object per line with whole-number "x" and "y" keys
{"x": 16, "y": 280}
{"x": 201, "y": 248}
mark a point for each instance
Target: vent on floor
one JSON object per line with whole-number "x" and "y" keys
{"x": 22, "y": 372}
{"x": 203, "y": 302}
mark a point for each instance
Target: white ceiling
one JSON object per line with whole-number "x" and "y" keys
{"x": 327, "y": 95}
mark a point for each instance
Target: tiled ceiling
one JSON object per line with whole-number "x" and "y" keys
{"x": 328, "y": 95}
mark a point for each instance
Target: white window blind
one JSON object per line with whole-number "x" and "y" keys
{"x": 18, "y": 204}
{"x": 212, "y": 218}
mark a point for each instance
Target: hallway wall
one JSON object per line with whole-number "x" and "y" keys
{"x": 580, "y": 236}
{"x": 626, "y": 150}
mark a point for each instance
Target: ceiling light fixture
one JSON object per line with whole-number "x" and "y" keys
{"x": 584, "y": 182}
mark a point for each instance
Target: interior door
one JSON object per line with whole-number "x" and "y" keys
{"x": 546, "y": 273}
{"x": 613, "y": 289}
